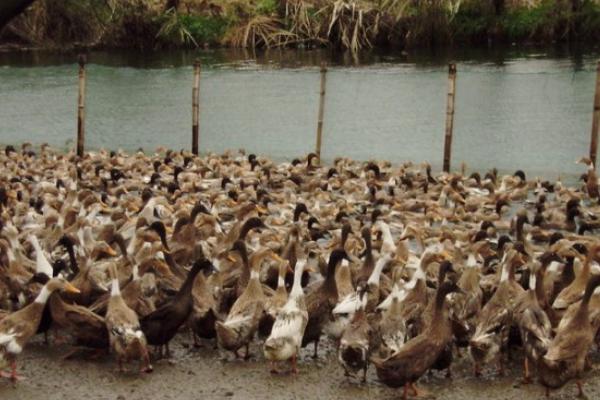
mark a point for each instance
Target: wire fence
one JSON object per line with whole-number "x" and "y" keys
{"x": 530, "y": 117}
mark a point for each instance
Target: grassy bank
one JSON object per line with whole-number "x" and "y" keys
{"x": 344, "y": 24}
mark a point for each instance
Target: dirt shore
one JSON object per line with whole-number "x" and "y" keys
{"x": 206, "y": 373}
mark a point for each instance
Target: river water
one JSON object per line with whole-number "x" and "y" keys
{"x": 515, "y": 108}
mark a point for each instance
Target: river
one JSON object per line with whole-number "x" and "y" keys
{"x": 515, "y": 108}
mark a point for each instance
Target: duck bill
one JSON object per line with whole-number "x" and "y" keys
{"x": 262, "y": 210}
{"x": 111, "y": 252}
{"x": 69, "y": 288}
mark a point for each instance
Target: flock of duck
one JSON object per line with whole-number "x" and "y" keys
{"x": 401, "y": 269}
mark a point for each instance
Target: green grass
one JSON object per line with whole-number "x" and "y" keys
{"x": 205, "y": 29}
{"x": 267, "y": 7}
{"x": 188, "y": 30}
{"x": 424, "y": 23}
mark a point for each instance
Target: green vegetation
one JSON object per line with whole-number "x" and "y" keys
{"x": 344, "y": 24}
{"x": 191, "y": 30}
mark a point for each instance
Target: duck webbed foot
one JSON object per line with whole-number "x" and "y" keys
{"x": 501, "y": 369}
{"x": 294, "y": 361}
{"x": 477, "y": 370}
{"x": 418, "y": 392}
{"x": 145, "y": 365}
{"x": 11, "y": 376}
{"x": 316, "y": 352}
{"x": 580, "y": 392}
{"x": 449, "y": 373}
{"x": 247, "y": 355}
{"x": 273, "y": 368}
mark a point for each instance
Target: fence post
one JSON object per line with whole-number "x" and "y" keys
{"x": 321, "y": 110}
{"x": 195, "y": 107}
{"x": 81, "y": 107}
{"x": 449, "y": 116}
{"x": 595, "y": 119}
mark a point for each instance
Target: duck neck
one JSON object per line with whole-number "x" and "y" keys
{"x": 589, "y": 291}
{"x": 115, "y": 290}
{"x": 43, "y": 296}
{"x": 519, "y": 229}
{"x": 72, "y": 258}
{"x": 368, "y": 246}
{"x": 329, "y": 284}
{"x": 587, "y": 267}
{"x": 593, "y": 283}
{"x": 568, "y": 273}
{"x": 281, "y": 280}
{"x": 387, "y": 235}
{"x": 540, "y": 294}
{"x": 36, "y": 245}
{"x": 345, "y": 234}
{"x": 246, "y": 228}
{"x": 420, "y": 273}
{"x": 376, "y": 274}
{"x": 508, "y": 272}
{"x": 297, "y": 286}
{"x": 440, "y": 299}
{"x": 188, "y": 284}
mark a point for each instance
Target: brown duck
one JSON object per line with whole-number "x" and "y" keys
{"x": 320, "y": 302}
{"x": 160, "y": 326}
{"x": 17, "y": 328}
{"x": 415, "y": 357}
{"x": 565, "y": 359}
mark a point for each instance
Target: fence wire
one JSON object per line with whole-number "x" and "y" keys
{"x": 534, "y": 115}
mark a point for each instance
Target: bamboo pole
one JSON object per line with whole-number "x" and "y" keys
{"x": 321, "y": 110}
{"x": 595, "y": 119}
{"x": 81, "y": 107}
{"x": 196, "y": 107}
{"x": 449, "y": 116}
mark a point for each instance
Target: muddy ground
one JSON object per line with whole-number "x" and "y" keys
{"x": 206, "y": 373}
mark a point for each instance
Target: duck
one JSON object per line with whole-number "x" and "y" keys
{"x": 126, "y": 337}
{"x": 18, "y": 328}
{"x": 87, "y": 328}
{"x": 205, "y": 311}
{"x": 285, "y": 339}
{"x": 534, "y": 324}
{"x": 42, "y": 265}
{"x": 466, "y": 306}
{"x": 161, "y": 325}
{"x": 415, "y": 299}
{"x": 356, "y": 342}
{"x": 370, "y": 284}
{"x": 139, "y": 293}
{"x": 274, "y": 303}
{"x": 495, "y": 319}
{"x": 404, "y": 367}
{"x": 320, "y": 301}
{"x": 567, "y": 352}
{"x": 575, "y": 291}
{"x": 243, "y": 319}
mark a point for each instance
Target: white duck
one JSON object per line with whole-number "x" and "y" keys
{"x": 286, "y": 337}
{"x": 42, "y": 265}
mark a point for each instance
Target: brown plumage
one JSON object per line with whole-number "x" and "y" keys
{"x": 17, "y": 328}
{"x": 565, "y": 359}
{"x": 356, "y": 342}
{"x": 86, "y": 327}
{"x": 161, "y": 325}
{"x": 405, "y": 367}
{"x": 320, "y": 302}
{"x": 205, "y": 310}
{"x": 126, "y": 337}
{"x": 495, "y": 319}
